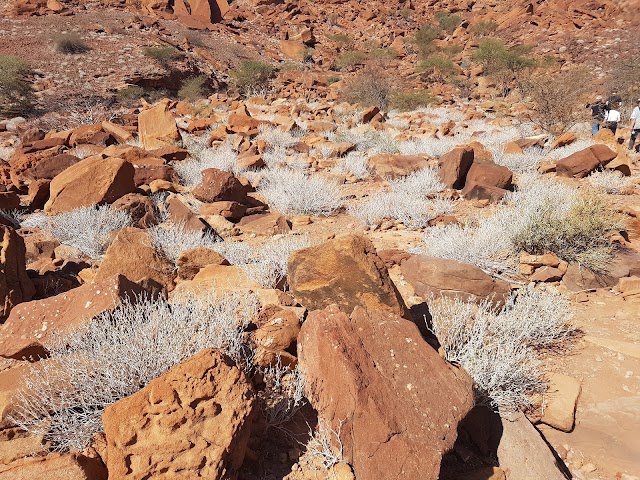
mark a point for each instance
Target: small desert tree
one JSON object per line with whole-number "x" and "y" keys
{"x": 16, "y": 93}
{"x": 558, "y": 99}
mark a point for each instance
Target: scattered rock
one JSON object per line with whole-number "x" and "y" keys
{"x": 455, "y": 165}
{"x": 66, "y": 466}
{"x": 218, "y": 185}
{"x": 157, "y": 127}
{"x": 91, "y": 181}
{"x": 560, "y": 402}
{"x": 365, "y": 375}
{"x": 193, "y": 421}
{"x": 452, "y": 279}
{"x": 392, "y": 166}
{"x": 15, "y": 286}
{"x": 582, "y": 163}
{"x": 345, "y": 271}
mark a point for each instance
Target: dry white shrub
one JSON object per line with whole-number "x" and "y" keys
{"x": 500, "y": 348}
{"x": 543, "y": 215}
{"x": 427, "y": 145}
{"x": 295, "y": 193}
{"x": 172, "y": 240}
{"x": 612, "y": 181}
{"x": 407, "y": 201}
{"x": 371, "y": 141}
{"x": 87, "y": 228}
{"x": 223, "y": 157}
{"x": 278, "y": 138}
{"x": 520, "y": 163}
{"x": 266, "y": 264}
{"x": 564, "y": 152}
{"x": 325, "y": 444}
{"x": 355, "y": 164}
{"x": 118, "y": 353}
{"x": 283, "y": 394}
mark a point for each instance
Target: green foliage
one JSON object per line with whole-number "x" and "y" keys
{"x": 340, "y": 38}
{"x": 413, "y": 99}
{"x": 70, "y": 44}
{"x": 580, "y": 235}
{"x": 331, "y": 80}
{"x": 447, "y": 21}
{"x": 129, "y": 94}
{"x": 424, "y": 37}
{"x": 351, "y": 59}
{"x": 194, "y": 88}
{"x": 496, "y": 57}
{"x": 452, "y": 49}
{"x": 16, "y": 92}
{"x": 438, "y": 69}
{"x": 405, "y": 13}
{"x": 252, "y": 75}
{"x": 163, "y": 55}
{"x": 370, "y": 87}
{"x": 484, "y": 28}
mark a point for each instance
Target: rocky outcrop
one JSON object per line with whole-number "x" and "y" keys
{"x": 395, "y": 401}
{"x": 30, "y": 324}
{"x": 345, "y": 271}
{"x": 440, "y": 277}
{"x": 191, "y": 422}
{"x": 67, "y": 466}
{"x": 91, "y": 181}
{"x": 393, "y": 166}
{"x": 15, "y": 286}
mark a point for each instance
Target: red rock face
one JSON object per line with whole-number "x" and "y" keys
{"x": 15, "y": 285}
{"x": 198, "y": 415}
{"x": 396, "y": 402}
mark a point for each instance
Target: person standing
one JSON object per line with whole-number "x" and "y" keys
{"x": 598, "y": 112}
{"x": 634, "y": 124}
{"x": 612, "y": 118}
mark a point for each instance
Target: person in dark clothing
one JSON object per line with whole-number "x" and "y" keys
{"x": 598, "y": 112}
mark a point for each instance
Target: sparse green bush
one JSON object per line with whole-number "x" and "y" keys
{"x": 496, "y": 57}
{"x": 16, "y": 92}
{"x": 369, "y": 87}
{"x": 484, "y": 28}
{"x": 194, "y": 88}
{"x": 70, "y": 44}
{"x": 130, "y": 94}
{"x": 413, "y": 99}
{"x": 252, "y": 75}
{"x": 340, "y": 38}
{"x": 164, "y": 55}
{"x": 331, "y": 80}
{"x": 350, "y": 59}
{"x": 448, "y": 21}
{"x": 438, "y": 69}
{"x": 424, "y": 37}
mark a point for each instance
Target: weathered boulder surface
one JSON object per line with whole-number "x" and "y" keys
{"x": 395, "y": 401}
{"x": 388, "y": 165}
{"x": 582, "y": 163}
{"x": 442, "y": 277}
{"x": 345, "y": 271}
{"x": 560, "y": 402}
{"x": 523, "y": 452}
{"x": 91, "y": 181}
{"x": 30, "y": 324}
{"x": 132, "y": 254}
{"x": 65, "y": 466}
{"x": 15, "y": 286}
{"x": 193, "y": 421}
{"x": 455, "y": 165}
{"x": 156, "y": 127}
{"x": 491, "y": 175}
{"x": 218, "y": 185}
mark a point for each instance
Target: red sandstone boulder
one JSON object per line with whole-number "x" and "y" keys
{"x": 582, "y": 163}
{"x": 65, "y": 466}
{"x": 15, "y": 286}
{"x": 218, "y": 185}
{"x": 30, "y": 324}
{"x": 89, "y": 182}
{"x": 450, "y": 278}
{"x": 392, "y": 166}
{"x": 455, "y": 165}
{"x": 193, "y": 421}
{"x": 140, "y": 208}
{"x": 372, "y": 377}
{"x": 491, "y": 175}
{"x": 157, "y": 127}
{"x": 344, "y": 271}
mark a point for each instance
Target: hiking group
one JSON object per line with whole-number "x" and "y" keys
{"x": 607, "y": 115}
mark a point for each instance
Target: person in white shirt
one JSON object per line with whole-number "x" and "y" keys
{"x": 634, "y": 124}
{"x": 611, "y": 119}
